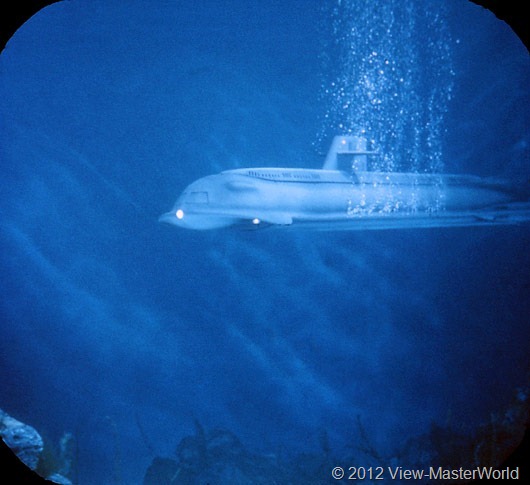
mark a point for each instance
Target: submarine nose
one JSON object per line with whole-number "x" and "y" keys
{"x": 173, "y": 218}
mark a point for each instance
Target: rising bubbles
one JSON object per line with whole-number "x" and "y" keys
{"x": 388, "y": 75}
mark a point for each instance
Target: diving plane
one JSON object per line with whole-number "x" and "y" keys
{"x": 346, "y": 195}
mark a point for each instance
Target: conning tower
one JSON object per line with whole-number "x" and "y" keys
{"x": 348, "y": 152}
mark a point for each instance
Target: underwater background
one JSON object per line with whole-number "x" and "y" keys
{"x": 132, "y": 336}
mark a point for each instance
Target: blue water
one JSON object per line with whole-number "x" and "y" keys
{"x": 122, "y": 331}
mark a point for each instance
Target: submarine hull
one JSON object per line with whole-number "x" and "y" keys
{"x": 257, "y": 198}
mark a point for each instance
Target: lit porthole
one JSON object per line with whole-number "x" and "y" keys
{"x": 179, "y": 214}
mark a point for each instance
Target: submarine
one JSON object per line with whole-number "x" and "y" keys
{"x": 346, "y": 195}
